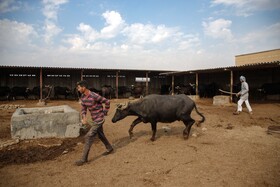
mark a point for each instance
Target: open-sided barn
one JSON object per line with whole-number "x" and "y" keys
{"x": 261, "y": 69}
{"x": 30, "y": 77}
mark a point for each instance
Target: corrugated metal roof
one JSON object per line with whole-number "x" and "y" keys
{"x": 227, "y": 68}
{"x": 74, "y": 68}
{"x": 163, "y": 72}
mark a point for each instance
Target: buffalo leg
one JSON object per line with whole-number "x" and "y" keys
{"x": 134, "y": 123}
{"x": 188, "y": 125}
{"x": 154, "y": 129}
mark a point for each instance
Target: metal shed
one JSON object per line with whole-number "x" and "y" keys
{"x": 68, "y": 77}
{"x": 226, "y": 77}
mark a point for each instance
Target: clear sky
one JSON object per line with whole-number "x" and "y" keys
{"x": 136, "y": 34}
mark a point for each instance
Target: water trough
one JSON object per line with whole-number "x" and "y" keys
{"x": 45, "y": 122}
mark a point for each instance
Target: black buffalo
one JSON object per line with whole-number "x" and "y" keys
{"x": 62, "y": 91}
{"x": 269, "y": 89}
{"x": 46, "y": 91}
{"x": 76, "y": 94}
{"x": 184, "y": 89}
{"x": 19, "y": 91}
{"x": 137, "y": 90}
{"x": 95, "y": 91}
{"x": 208, "y": 90}
{"x": 5, "y": 92}
{"x": 124, "y": 91}
{"x": 165, "y": 89}
{"x": 107, "y": 91}
{"x": 159, "y": 108}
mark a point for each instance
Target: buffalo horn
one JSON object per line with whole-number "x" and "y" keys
{"x": 121, "y": 105}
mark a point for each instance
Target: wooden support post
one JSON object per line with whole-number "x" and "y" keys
{"x": 172, "y": 85}
{"x": 147, "y": 83}
{"x": 41, "y": 84}
{"x": 196, "y": 84}
{"x": 82, "y": 73}
{"x": 231, "y": 85}
{"x": 117, "y": 84}
{"x": 41, "y": 102}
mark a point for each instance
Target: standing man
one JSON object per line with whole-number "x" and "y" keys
{"x": 244, "y": 95}
{"x": 93, "y": 102}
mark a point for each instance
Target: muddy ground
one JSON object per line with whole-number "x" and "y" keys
{"x": 226, "y": 150}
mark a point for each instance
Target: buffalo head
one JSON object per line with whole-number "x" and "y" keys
{"x": 122, "y": 111}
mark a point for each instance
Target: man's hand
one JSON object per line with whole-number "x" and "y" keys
{"x": 84, "y": 121}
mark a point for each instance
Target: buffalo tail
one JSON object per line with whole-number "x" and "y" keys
{"x": 203, "y": 118}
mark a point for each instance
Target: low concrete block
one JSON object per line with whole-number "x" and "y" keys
{"x": 221, "y": 100}
{"x": 45, "y": 122}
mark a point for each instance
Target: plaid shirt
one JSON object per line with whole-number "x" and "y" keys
{"x": 93, "y": 102}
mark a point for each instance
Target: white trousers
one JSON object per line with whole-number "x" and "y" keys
{"x": 239, "y": 105}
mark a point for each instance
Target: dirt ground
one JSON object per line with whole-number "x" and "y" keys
{"x": 226, "y": 150}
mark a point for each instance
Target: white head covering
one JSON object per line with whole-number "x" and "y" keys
{"x": 242, "y": 78}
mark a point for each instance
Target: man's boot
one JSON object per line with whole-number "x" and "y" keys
{"x": 84, "y": 159}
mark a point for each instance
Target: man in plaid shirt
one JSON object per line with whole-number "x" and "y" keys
{"x": 93, "y": 102}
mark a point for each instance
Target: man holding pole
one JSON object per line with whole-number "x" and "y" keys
{"x": 244, "y": 96}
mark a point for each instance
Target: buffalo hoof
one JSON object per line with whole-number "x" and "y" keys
{"x": 152, "y": 139}
{"x": 186, "y": 136}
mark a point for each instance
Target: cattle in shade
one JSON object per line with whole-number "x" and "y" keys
{"x": 269, "y": 89}
{"x": 137, "y": 90}
{"x": 62, "y": 91}
{"x": 19, "y": 92}
{"x": 4, "y": 92}
{"x": 95, "y": 91}
{"x": 188, "y": 89}
{"x": 208, "y": 90}
{"x": 35, "y": 92}
{"x": 159, "y": 108}
{"x": 124, "y": 91}
{"x": 76, "y": 94}
{"x": 165, "y": 89}
{"x": 107, "y": 91}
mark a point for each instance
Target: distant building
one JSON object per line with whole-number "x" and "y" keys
{"x": 258, "y": 57}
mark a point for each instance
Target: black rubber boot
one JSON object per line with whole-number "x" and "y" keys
{"x": 80, "y": 162}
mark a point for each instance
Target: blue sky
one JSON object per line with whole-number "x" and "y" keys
{"x": 136, "y": 34}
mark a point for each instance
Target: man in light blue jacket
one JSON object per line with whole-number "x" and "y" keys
{"x": 244, "y": 95}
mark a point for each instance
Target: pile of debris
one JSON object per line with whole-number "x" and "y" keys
{"x": 10, "y": 107}
{"x": 6, "y": 143}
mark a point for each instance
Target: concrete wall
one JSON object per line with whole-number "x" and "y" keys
{"x": 259, "y": 57}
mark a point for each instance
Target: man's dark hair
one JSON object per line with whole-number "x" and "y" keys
{"x": 82, "y": 83}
